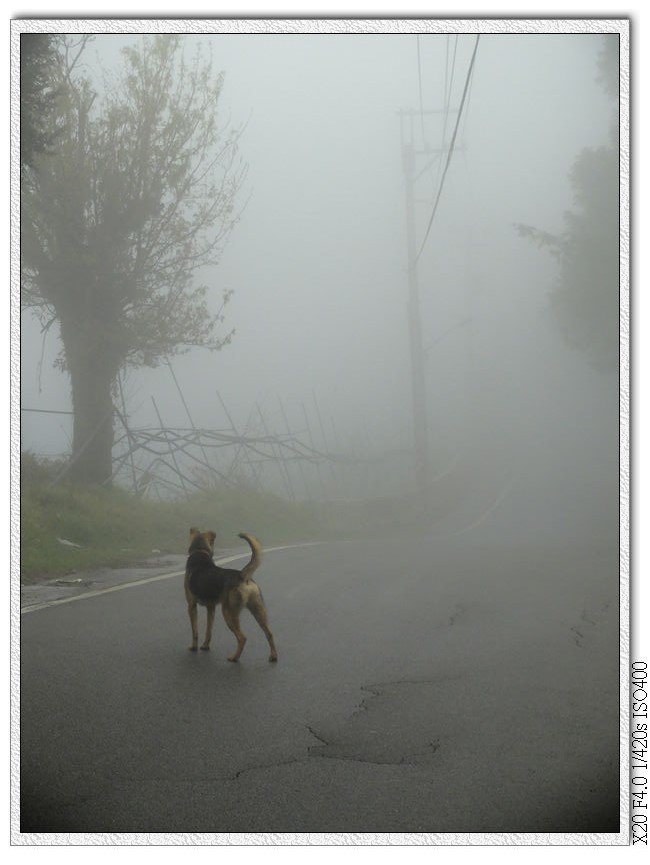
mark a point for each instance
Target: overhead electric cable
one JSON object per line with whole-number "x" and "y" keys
{"x": 420, "y": 89}
{"x": 451, "y": 146}
{"x": 446, "y": 90}
{"x": 449, "y": 84}
{"x": 469, "y": 102}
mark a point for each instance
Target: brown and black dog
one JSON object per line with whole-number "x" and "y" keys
{"x": 208, "y": 585}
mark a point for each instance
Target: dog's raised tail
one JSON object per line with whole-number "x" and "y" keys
{"x": 256, "y": 558}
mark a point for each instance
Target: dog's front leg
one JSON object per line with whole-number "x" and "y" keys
{"x": 208, "y": 628}
{"x": 194, "y": 622}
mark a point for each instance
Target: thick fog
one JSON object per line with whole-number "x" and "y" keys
{"x": 318, "y": 267}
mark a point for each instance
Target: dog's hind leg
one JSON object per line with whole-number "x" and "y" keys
{"x": 258, "y": 610}
{"x": 208, "y": 629}
{"x": 232, "y": 620}
{"x": 194, "y": 622}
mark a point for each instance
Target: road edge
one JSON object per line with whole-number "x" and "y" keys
{"x": 32, "y": 608}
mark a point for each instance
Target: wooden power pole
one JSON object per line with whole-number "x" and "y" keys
{"x": 418, "y": 389}
{"x": 410, "y": 156}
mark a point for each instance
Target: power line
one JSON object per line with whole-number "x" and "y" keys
{"x": 420, "y": 89}
{"x": 469, "y": 100}
{"x": 449, "y": 84}
{"x": 453, "y": 70}
{"x": 451, "y": 146}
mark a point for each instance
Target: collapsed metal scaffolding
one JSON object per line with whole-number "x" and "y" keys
{"x": 305, "y": 464}
{"x": 186, "y": 459}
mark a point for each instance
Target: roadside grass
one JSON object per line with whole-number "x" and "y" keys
{"x": 67, "y": 528}
{"x": 112, "y": 527}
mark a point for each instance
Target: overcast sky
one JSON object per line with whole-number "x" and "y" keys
{"x": 318, "y": 261}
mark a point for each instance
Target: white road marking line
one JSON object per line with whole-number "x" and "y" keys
{"x": 223, "y": 561}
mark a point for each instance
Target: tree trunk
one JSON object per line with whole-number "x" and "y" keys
{"x": 92, "y": 444}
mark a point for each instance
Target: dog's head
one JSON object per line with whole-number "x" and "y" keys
{"x": 201, "y": 541}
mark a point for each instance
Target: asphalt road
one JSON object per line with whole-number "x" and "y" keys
{"x": 424, "y": 685}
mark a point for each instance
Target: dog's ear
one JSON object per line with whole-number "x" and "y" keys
{"x": 194, "y": 532}
{"x": 211, "y": 538}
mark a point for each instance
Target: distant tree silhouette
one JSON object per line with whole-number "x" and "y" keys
{"x": 585, "y": 297}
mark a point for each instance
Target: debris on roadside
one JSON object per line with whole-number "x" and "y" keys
{"x": 76, "y": 581}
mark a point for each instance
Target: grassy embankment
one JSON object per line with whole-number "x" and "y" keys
{"x": 113, "y": 527}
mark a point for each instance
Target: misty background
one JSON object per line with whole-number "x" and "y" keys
{"x": 318, "y": 267}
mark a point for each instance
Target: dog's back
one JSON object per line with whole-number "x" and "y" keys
{"x": 207, "y": 581}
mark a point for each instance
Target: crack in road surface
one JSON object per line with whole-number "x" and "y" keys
{"x": 377, "y": 732}
{"x": 590, "y": 620}
{"x": 392, "y": 726}
{"x": 262, "y": 766}
{"x": 459, "y": 610}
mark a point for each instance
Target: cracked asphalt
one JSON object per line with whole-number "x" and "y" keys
{"x": 424, "y": 685}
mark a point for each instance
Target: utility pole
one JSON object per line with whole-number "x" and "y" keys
{"x": 418, "y": 390}
{"x": 410, "y": 155}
